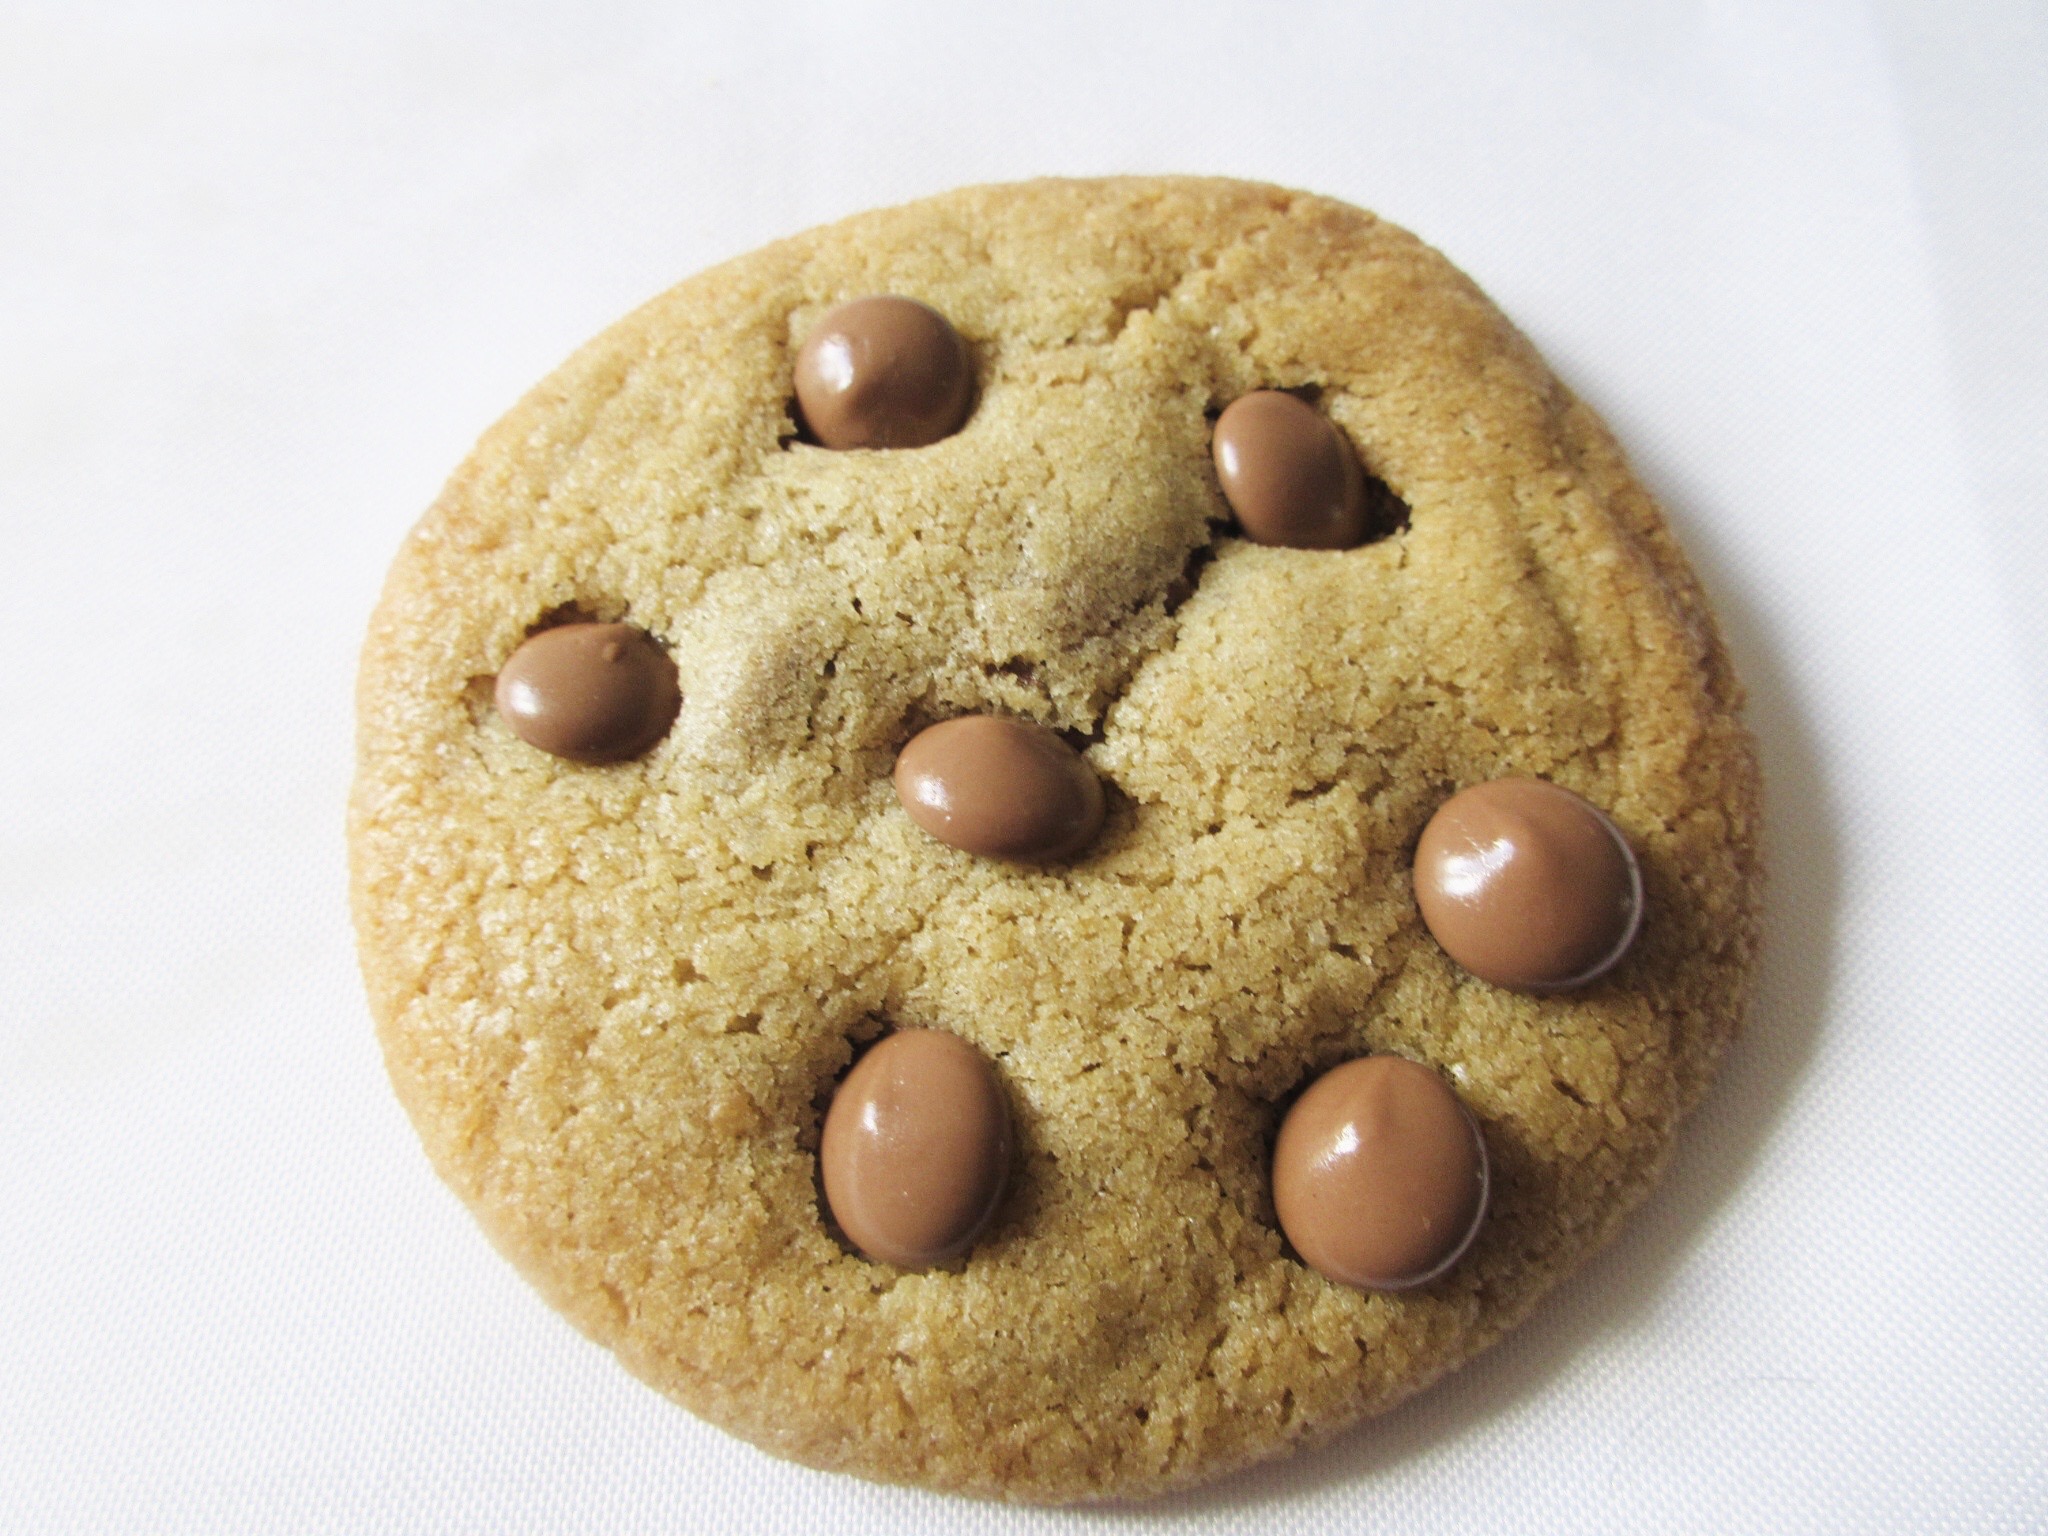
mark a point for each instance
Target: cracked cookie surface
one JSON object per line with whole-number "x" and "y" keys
{"x": 615, "y": 998}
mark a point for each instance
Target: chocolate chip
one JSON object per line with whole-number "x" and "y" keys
{"x": 1380, "y": 1175}
{"x": 883, "y": 372}
{"x": 1006, "y": 788}
{"x": 916, "y": 1148}
{"x": 1527, "y": 886}
{"x": 1289, "y": 475}
{"x": 593, "y": 693}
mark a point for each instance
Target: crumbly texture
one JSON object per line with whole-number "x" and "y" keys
{"x": 615, "y": 999}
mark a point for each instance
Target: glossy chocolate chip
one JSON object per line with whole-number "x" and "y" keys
{"x": 1009, "y": 789}
{"x": 593, "y": 693}
{"x": 1289, "y": 475}
{"x": 1380, "y": 1175}
{"x": 916, "y": 1148}
{"x": 883, "y": 372}
{"x": 1526, "y": 885}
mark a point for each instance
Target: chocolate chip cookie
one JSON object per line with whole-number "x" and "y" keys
{"x": 1048, "y": 841}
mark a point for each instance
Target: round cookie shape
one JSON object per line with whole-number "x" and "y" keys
{"x": 1380, "y": 1175}
{"x": 1288, "y": 474}
{"x": 916, "y": 1148}
{"x": 1010, "y": 789}
{"x": 1527, "y": 885}
{"x": 592, "y": 693}
{"x": 616, "y": 1000}
{"x": 883, "y": 372}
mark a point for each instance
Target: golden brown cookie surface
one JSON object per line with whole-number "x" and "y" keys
{"x": 616, "y": 997}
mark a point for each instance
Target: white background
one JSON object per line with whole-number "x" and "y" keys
{"x": 265, "y": 271}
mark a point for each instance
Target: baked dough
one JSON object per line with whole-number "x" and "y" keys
{"x": 615, "y": 999}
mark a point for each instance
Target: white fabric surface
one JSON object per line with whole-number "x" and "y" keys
{"x": 266, "y": 272}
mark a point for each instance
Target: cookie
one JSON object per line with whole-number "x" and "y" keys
{"x": 1048, "y": 841}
